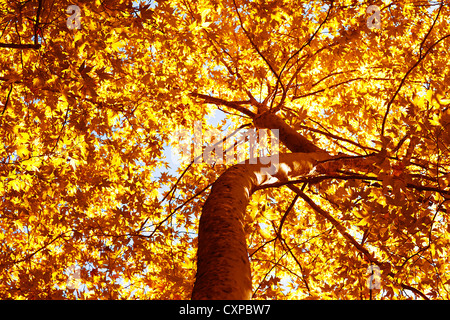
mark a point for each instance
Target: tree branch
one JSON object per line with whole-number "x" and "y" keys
{"x": 411, "y": 69}
{"x": 336, "y": 137}
{"x": 7, "y": 100}
{"x": 260, "y": 53}
{"x": 20, "y": 46}
{"x": 292, "y": 56}
{"x": 431, "y": 29}
{"x": 341, "y": 229}
{"x": 293, "y": 140}
{"x": 416, "y": 291}
{"x": 36, "y": 23}
{"x": 29, "y": 256}
{"x": 36, "y": 44}
{"x": 236, "y": 105}
{"x": 336, "y": 224}
{"x": 280, "y": 228}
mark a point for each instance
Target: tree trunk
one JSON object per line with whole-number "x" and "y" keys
{"x": 223, "y": 267}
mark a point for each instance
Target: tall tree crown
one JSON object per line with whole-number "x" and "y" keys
{"x": 90, "y": 103}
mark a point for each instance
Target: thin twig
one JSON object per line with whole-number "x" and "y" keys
{"x": 408, "y": 72}
{"x": 431, "y": 29}
{"x": 287, "y": 212}
{"x": 292, "y": 56}
{"x": 257, "y": 49}
{"x": 36, "y": 24}
{"x": 335, "y": 223}
{"x": 7, "y": 100}
{"x": 174, "y": 211}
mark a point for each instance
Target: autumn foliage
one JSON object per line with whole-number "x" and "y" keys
{"x": 92, "y": 207}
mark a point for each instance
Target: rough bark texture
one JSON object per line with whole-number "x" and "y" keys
{"x": 223, "y": 268}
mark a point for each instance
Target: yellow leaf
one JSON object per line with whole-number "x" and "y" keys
{"x": 205, "y": 24}
{"x": 433, "y": 249}
{"x": 77, "y": 36}
{"x": 117, "y": 45}
{"x": 364, "y": 221}
{"x": 435, "y": 120}
{"x": 38, "y": 81}
{"x": 204, "y": 13}
{"x": 265, "y": 232}
{"x": 16, "y": 129}
{"x": 429, "y": 95}
{"x": 22, "y": 151}
{"x": 14, "y": 184}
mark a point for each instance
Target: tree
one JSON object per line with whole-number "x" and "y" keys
{"x": 355, "y": 207}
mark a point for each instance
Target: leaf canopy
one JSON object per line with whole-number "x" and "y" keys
{"x": 88, "y": 117}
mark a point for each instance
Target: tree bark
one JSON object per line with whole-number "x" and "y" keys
{"x": 223, "y": 267}
{"x": 293, "y": 140}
